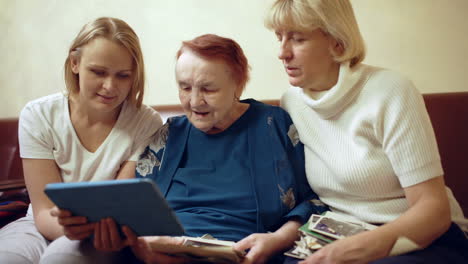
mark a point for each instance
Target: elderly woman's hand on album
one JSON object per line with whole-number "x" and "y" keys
{"x": 74, "y": 227}
{"x": 260, "y": 247}
{"x": 146, "y": 250}
{"x": 263, "y": 246}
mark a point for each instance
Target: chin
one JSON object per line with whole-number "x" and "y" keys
{"x": 295, "y": 82}
{"x": 202, "y": 127}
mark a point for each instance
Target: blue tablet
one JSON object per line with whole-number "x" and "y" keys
{"x": 137, "y": 203}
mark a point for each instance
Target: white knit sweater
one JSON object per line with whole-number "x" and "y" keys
{"x": 366, "y": 139}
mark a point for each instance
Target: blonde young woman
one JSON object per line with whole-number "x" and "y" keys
{"x": 94, "y": 131}
{"x": 369, "y": 145}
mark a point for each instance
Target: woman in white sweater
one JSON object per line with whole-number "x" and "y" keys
{"x": 369, "y": 145}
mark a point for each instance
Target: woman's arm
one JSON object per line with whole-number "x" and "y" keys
{"x": 427, "y": 218}
{"x": 127, "y": 170}
{"x": 50, "y": 221}
{"x": 38, "y": 173}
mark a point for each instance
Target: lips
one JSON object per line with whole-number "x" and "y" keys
{"x": 200, "y": 114}
{"x": 292, "y": 71}
{"x": 106, "y": 98}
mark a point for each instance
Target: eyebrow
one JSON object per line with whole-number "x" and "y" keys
{"x": 205, "y": 84}
{"x": 105, "y": 68}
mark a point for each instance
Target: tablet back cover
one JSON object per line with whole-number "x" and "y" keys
{"x": 137, "y": 203}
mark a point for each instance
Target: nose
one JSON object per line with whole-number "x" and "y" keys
{"x": 285, "y": 52}
{"x": 196, "y": 98}
{"x": 109, "y": 83}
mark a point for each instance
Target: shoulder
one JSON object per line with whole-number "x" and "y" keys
{"x": 270, "y": 118}
{"x": 145, "y": 112}
{"x": 292, "y": 98}
{"x": 266, "y": 110}
{"x": 48, "y": 102}
{"x": 140, "y": 119}
{"x": 46, "y": 107}
{"x": 178, "y": 121}
{"x": 387, "y": 81}
{"x": 387, "y": 89}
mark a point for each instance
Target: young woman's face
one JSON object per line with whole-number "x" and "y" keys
{"x": 207, "y": 92}
{"x": 105, "y": 73}
{"x": 307, "y": 58}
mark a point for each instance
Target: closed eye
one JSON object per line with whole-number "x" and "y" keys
{"x": 98, "y": 72}
{"x": 209, "y": 89}
{"x": 123, "y": 75}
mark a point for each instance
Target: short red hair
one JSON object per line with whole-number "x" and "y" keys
{"x": 214, "y": 47}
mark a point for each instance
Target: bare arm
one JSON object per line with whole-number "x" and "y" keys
{"x": 38, "y": 173}
{"x": 428, "y": 216}
{"x": 127, "y": 170}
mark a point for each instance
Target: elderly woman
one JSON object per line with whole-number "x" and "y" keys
{"x": 369, "y": 145}
{"x": 229, "y": 167}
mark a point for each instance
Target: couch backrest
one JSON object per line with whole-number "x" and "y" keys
{"x": 449, "y": 116}
{"x": 10, "y": 163}
{"x": 448, "y": 113}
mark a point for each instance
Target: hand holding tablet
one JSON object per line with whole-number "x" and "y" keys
{"x": 137, "y": 203}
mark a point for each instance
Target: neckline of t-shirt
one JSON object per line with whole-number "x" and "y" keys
{"x": 107, "y": 139}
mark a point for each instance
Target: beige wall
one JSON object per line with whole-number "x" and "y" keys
{"x": 425, "y": 39}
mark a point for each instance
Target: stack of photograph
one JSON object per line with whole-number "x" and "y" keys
{"x": 321, "y": 230}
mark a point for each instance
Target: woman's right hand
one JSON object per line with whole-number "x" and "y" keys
{"x": 74, "y": 227}
{"x": 143, "y": 249}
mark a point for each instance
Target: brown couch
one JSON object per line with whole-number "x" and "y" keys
{"x": 448, "y": 112}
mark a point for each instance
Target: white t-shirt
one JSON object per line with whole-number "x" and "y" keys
{"x": 365, "y": 140}
{"x": 46, "y": 132}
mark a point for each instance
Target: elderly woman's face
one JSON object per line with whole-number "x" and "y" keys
{"x": 206, "y": 91}
{"x": 307, "y": 58}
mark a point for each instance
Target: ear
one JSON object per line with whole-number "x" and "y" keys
{"x": 238, "y": 92}
{"x": 336, "y": 47}
{"x": 74, "y": 63}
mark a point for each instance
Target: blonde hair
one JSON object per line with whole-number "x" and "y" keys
{"x": 334, "y": 17}
{"x": 120, "y": 32}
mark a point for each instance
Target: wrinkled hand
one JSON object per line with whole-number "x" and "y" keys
{"x": 361, "y": 248}
{"x": 107, "y": 236}
{"x": 144, "y": 250}
{"x": 74, "y": 227}
{"x": 261, "y": 247}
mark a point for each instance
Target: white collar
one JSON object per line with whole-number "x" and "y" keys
{"x": 341, "y": 94}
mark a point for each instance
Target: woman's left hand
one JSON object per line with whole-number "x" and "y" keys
{"x": 360, "y": 248}
{"x": 74, "y": 227}
{"x": 146, "y": 250}
{"x": 108, "y": 238}
{"x": 261, "y": 247}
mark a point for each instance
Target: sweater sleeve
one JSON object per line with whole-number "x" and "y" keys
{"x": 405, "y": 132}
